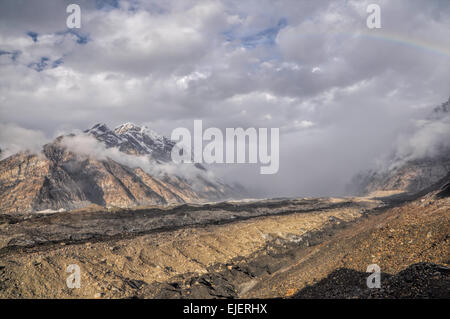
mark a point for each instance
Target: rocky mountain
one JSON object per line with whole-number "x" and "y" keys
{"x": 412, "y": 170}
{"x": 410, "y": 177}
{"x": 124, "y": 167}
{"x": 132, "y": 139}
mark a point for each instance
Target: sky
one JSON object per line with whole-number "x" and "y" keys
{"x": 342, "y": 94}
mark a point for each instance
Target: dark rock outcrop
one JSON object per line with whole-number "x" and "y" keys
{"x": 421, "y": 280}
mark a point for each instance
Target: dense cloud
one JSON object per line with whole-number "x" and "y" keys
{"x": 16, "y": 139}
{"x": 340, "y": 93}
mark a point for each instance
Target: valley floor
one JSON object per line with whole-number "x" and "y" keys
{"x": 279, "y": 248}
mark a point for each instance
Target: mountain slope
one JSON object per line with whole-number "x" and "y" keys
{"x": 126, "y": 167}
{"x": 422, "y": 160}
{"x": 410, "y": 177}
{"x": 134, "y": 140}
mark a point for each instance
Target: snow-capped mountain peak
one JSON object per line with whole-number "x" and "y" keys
{"x": 127, "y": 127}
{"x": 138, "y": 131}
{"x": 134, "y": 139}
{"x": 102, "y": 133}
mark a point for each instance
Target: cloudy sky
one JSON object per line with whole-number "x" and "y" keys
{"x": 341, "y": 94}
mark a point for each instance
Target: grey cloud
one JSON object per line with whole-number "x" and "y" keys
{"x": 15, "y": 139}
{"x": 166, "y": 63}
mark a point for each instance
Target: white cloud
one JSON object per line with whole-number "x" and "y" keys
{"x": 321, "y": 76}
{"x": 15, "y": 139}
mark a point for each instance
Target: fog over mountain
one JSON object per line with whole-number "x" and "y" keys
{"x": 420, "y": 158}
{"x": 346, "y": 98}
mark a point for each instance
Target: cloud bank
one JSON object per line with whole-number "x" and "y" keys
{"x": 340, "y": 93}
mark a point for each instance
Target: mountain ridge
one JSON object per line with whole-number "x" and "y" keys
{"x": 130, "y": 167}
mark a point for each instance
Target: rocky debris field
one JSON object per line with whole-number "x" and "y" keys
{"x": 411, "y": 233}
{"x": 37, "y": 230}
{"x": 164, "y": 253}
{"x": 303, "y": 248}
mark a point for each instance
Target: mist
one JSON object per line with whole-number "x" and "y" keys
{"x": 87, "y": 146}
{"x": 14, "y": 139}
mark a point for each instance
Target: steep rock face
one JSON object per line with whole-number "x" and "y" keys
{"x": 59, "y": 178}
{"x": 22, "y": 177}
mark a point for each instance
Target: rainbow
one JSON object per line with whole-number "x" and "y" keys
{"x": 442, "y": 49}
